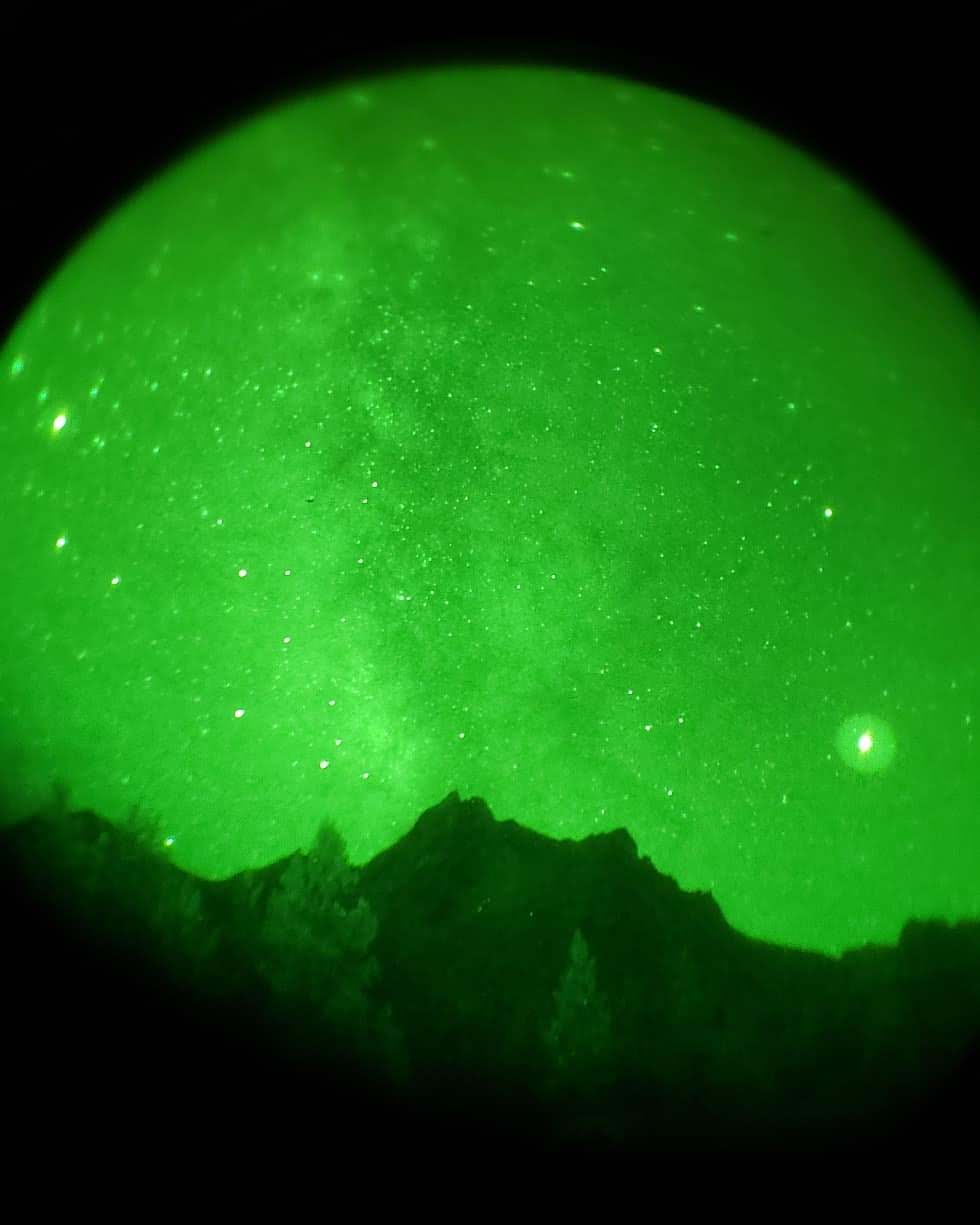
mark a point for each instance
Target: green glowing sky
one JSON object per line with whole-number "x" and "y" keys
{"x": 524, "y": 432}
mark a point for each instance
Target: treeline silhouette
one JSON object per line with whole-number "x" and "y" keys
{"x": 475, "y": 981}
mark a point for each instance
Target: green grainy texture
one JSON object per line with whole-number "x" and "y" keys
{"x": 520, "y": 432}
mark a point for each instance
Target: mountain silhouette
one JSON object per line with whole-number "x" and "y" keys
{"x": 474, "y": 982}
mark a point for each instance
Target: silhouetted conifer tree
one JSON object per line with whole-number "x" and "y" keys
{"x": 145, "y": 829}
{"x": 316, "y": 955}
{"x": 579, "y": 1038}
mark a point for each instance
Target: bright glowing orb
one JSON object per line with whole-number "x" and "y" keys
{"x": 866, "y": 744}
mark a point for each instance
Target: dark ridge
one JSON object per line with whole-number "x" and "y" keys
{"x": 131, "y": 983}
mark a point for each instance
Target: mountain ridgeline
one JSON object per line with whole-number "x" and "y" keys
{"x": 476, "y": 979}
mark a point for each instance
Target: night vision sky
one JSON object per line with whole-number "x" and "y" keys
{"x": 522, "y": 432}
